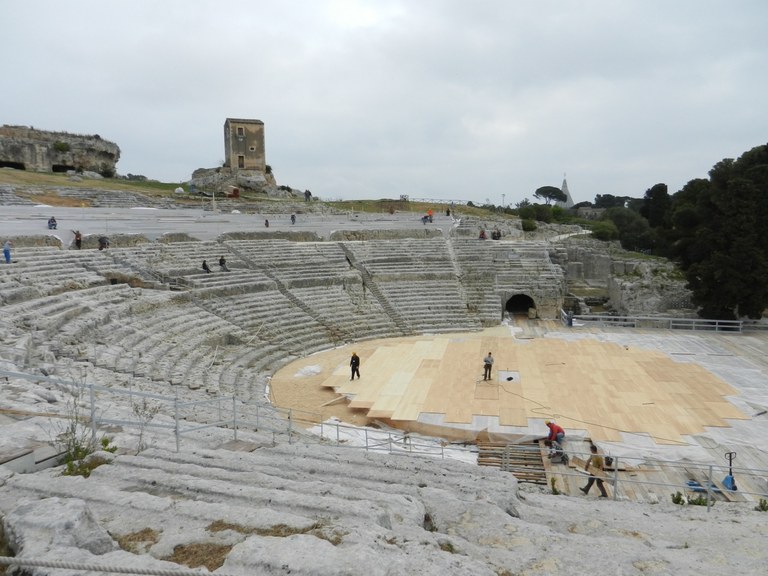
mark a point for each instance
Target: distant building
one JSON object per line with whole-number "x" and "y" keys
{"x": 568, "y": 200}
{"x": 244, "y": 145}
{"x": 590, "y": 213}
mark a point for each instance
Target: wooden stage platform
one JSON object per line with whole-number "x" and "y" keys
{"x": 435, "y": 383}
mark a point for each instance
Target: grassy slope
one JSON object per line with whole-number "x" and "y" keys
{"x": 48, "y": 182}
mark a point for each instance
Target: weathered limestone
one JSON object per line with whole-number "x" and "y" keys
{"x": 43, "y": 151}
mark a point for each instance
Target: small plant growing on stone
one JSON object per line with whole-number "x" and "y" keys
{"x": 762, "y": 505}
{"x": 699, "y": 501}
{"x": 678, "y": 498}
{"x": 553, "y": 485}
{"x": 107, "y": 446}
{"x": 145, "y": 412}
{"x": 75, "y": 438}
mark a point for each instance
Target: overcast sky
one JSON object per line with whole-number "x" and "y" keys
{"x": 445, "y": 99}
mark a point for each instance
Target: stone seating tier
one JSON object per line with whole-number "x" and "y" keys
{"x": 361, "y": 318}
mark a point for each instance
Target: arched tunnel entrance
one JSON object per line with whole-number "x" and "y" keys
{"x": 519, "y": 304}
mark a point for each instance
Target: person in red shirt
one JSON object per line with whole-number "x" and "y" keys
{"x": 556, "y": 433}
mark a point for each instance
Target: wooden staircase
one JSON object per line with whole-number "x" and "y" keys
{"x": 524, "y": 461}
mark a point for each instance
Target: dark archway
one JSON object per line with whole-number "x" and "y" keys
{"x": 14, "y": 165}
{"x": 519, "y": 304}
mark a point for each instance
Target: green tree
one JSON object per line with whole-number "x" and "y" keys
{"x": 656, "y": 206}
{"x": 634, "y": 232}
{"x": 550, "y": 194}
{"x": 543, "y": 212}
{"x": 610, "y": 201}
{"x": 717, "y": 236}
{"x": 605, "y": 230}
{"x": 527, "y": 212}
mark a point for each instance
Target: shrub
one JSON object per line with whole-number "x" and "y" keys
{"x": 701, "y": 500}
{"x": 529, "y": 225}
{"x": 605, "y": 230}
{"x": 543, "y": 212}
{"x": 60, "y": 146}
{"x": 553, "y": 484}
{"x": 527, "y": 212}
{"x": 762, "y": 506}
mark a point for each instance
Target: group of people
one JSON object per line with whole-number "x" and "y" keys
{"x": 266, "y": 220}
{"x": 222, "y": 265}
{"x": 594, "y": 465}
{"x": 495, "y": 234}
{"x": 554, "y": 439}
{"x": 54, "y": 225}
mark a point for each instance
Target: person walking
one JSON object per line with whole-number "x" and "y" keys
{"x": 7, "y": 251}
{"x": 487, "y": 365}
{"x": 354, "y": 364}
{"x": 595, "y": 462}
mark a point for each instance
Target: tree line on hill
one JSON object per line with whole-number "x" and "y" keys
{"x": 713, "y": 228}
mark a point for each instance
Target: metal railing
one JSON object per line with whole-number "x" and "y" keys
{"x": 183, "y": 418}
{"x": 703, "y": 479}
{"x": 657, "y": 322}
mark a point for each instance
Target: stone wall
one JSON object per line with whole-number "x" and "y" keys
{"x": 634, "y": 285}
{"x": 42, "y": 151}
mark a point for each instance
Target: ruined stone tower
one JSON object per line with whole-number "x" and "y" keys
{"x": 244, "y": 144}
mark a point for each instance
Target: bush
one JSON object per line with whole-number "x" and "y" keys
{"x": 605, "y": 230}
{"x": 527, "y": 212}
{"x": 529, "y": 225}
{"x": 59, "y": 146}
{"x": 543, "y": 213}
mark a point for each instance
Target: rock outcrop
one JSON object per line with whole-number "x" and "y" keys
{"x": 223, "y": 178}
{"x": 42, "y": 151}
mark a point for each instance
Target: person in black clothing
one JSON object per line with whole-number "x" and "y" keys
{"x": 103, "y": 242}
{"x": 206, "y": 268}
{"x": 78, "y": 239}
{"x": 487, "y": 365}
{"x": 223, "y": 264}
{"x": 354, "y": 364}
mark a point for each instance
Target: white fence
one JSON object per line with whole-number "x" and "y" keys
{"x": 657, "y": 322}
